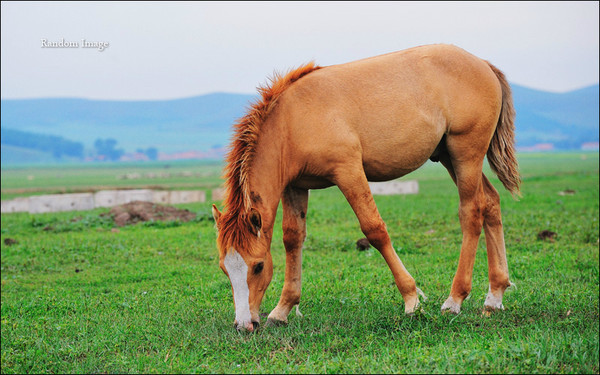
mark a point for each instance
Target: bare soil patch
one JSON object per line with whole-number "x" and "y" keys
{"x": 10, "y": 241}
{"x": 547, "y": 235}
{"x": 137, "y": 211}
{"x": 363, "y": 244}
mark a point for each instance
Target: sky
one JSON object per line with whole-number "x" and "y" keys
{"x": 159, "y": 50}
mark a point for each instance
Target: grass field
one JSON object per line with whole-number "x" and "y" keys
{"x": 85, "y": 177}
{"x": 150, "y": 298}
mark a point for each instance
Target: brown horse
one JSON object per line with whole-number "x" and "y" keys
{"x": 371, "y": 120}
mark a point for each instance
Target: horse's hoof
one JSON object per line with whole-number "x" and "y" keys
{"x": 490, "y": 309}
{"x": 451, "y": 306}
{"x": 411, "y": 312}
{"x": 248, "y": 328}
{"x": 415, "y": 312}
{"x": 411, "y": 304}
{"x": 275, "y": 322}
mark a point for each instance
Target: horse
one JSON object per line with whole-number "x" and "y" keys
{"x": 374, "y": 119}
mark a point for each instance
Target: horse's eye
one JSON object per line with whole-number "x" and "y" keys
{"x": 258, "y": 268}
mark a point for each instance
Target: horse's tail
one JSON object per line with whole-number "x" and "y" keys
{"x": 501, "y": 152}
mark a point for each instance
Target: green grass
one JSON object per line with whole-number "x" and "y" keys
{"x": 151, "y": 298}
{"x": 83, "y": 177}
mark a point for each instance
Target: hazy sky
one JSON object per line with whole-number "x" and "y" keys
{"x": 170, "y": 50}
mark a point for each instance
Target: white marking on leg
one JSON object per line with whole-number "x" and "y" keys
{"x": 493, "y": 302}
{"x": 411, "y": 305}
{"x": 451, "y": 305}
{"x": 238, "y": 273}
{"x": 278, "y": 314}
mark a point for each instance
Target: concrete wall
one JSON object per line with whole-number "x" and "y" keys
{"x": 161, "y": 196}
{"x": 183, "y": 196}
{"x": 126, "y": 196}
{"x": 394, "y": 187}
{"x": 61, "y": 202}
{"x": 110, "y": 198}
{"x": 104, "y": 198}
{"x": 15, "y": 205}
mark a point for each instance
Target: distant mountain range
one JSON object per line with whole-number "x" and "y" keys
{"x": 566, "y": 120}
{"x": 203, "y": 123}
{"x": 197, "y": 123}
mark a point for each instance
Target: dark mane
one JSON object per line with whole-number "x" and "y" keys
{"x": 234, "y": 230}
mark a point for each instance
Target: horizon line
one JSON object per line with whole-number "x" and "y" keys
{"x": 235, "y": 93}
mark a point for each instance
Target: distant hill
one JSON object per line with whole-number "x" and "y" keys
{"x": 55, "y": 145}
{"x": 18, "y": 155}
{"x": 197, "y": 123}
{"x": 203, "y": 123}
{"x": 567, "y": 119}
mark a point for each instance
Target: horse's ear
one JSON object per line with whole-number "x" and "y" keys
{"x": 255, "y": 220}
{"x": 216, "y": 214}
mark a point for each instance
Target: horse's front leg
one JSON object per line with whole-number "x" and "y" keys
{"x": 355, "y": 187}
{"x": 295, "y": 202}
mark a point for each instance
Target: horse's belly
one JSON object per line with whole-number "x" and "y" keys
{"x": 311, "y": 182}
{"x": 381, "y": 174}
{"x": 389, "y": 153}
{"x": 394, "y": 164}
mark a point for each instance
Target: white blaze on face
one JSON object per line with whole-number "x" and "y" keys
{"x": 238, "y": 273}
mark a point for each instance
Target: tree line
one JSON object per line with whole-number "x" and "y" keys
{"x": 105, "y": 149}
{"x": 57, "y": 146}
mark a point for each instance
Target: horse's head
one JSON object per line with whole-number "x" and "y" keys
{"x": 245, "y": 258}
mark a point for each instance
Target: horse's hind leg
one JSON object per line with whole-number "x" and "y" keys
{"x": 353, "y": 184}
{"x": 467, "y": 175}
{"x": 295, "y": 202}
{"x": 496, "y": 250}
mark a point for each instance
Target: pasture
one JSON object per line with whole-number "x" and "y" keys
{"x": 79, "y": 296}
{"x": 79, "y": 178}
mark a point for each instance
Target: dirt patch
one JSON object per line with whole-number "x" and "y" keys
{"x": 10, "y": 241}
{"x": 362, "y": 244}
{"x": 137, "y": 211}
{"x": 547, "y": 235}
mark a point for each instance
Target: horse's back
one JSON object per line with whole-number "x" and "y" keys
{"x": 398, "y": 87}
{"x": 394, "y": 108}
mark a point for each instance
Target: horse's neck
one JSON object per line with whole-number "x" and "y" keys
{"x": 266, "y": 183}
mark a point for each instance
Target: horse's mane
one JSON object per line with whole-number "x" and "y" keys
{"x": 234, "y": 230}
